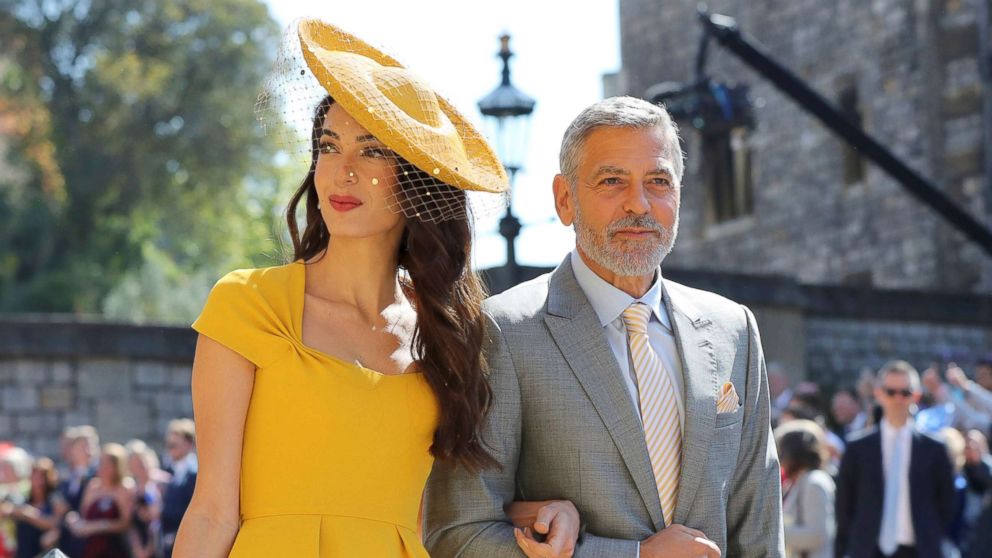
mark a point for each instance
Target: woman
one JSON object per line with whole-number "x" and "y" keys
{"x": 808, "y": 492}
{"x": 15, "y": 468}
{"x": 36, "y": 516}
{"x": 143, "y": 464}
{"x": 106, "y": 507}
{"x": 324, "y": 389}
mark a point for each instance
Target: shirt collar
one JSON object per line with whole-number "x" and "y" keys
{"x": 185, "y": 465}
{"x": 888, "y": 430}
{"x": 609, "y": 302}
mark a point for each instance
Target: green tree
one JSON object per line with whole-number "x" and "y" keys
{"x": 137, "y": 163}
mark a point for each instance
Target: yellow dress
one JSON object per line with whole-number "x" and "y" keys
{"x": 335, "y": 455}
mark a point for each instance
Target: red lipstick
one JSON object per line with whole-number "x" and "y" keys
{"x": 344, "y": 203}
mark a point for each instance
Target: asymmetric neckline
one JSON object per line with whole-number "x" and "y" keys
{"x": 299, "y": 294}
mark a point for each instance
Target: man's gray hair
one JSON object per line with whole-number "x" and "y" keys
{"x": 899, "y": 367}
{"x": 620, "y": 112}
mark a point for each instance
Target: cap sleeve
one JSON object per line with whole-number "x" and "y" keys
{"x": 238, "y": 315}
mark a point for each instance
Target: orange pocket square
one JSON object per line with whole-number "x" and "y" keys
{"x": 728, "y": 400}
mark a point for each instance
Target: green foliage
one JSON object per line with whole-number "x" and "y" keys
{"x": 137, "y": 172}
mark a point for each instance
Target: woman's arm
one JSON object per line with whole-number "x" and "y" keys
{"x": 34, "y": 516}
{"x": 222, "y": 384}
{"x": 154, "y": 510}
{"x": 818, "y": 518}
{"x": 125, "y": 503}
{"x": 88, "y": 494}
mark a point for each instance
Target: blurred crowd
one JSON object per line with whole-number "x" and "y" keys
{"x": 896, "y": 465}
{"x": 109, "y": 501}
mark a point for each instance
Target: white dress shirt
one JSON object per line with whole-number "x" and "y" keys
{"x": 609, "y": 303}
{"x": 904, "y": 518}
{"x": 184, "y": 466}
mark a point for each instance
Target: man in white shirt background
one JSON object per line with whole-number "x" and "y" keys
{"x": 895, "y": 488}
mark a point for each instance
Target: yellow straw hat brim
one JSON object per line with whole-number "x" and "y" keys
{"x": 399, "y": 109}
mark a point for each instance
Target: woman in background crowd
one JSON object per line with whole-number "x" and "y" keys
{"x": 36, "y": 515}
{"x": 808, "y": 492}
{"x": 144, "y": 465}
{"x": 107, "y": 507}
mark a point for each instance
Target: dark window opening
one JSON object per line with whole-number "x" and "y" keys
{"x": 727, "y": 175}
{"x": 853, "y": 163}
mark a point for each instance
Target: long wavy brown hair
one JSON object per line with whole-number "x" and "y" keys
{"x": 447, "y": 296}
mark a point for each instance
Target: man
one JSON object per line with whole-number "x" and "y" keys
{"x": 642, "y": 401}
{"x": 895, "y": 489}
{"x": 180, "y": 442}
{"x": 80, "y": 446}
{"x": 846, "y": 410}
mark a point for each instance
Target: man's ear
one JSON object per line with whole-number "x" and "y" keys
{"x": 564, "y": 200}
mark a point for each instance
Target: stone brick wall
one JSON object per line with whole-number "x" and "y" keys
{"x": 919, "y": 71}
{"x": 130, "y": 380}
{"x": 828, "y": 334}
{"x": 838, "y": 349}
{"x": 127, "y": 381}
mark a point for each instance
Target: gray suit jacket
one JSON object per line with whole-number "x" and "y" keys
{"x": 563, "y": 426}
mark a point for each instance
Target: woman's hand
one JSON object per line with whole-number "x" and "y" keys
{"x": 557, "y": 520}
{"x": 81, "y": 527}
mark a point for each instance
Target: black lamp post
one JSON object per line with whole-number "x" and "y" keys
{"x": 507, "y": 111}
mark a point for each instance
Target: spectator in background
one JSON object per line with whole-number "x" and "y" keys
{"x": 15, "y": 466}
{"x": 937, "y": 411}
{"x": 778, "y": 390}
{"x": 808, "y": 492}
{"x": 809, "y": 394}
{"x": 955, "y": 444}
{"x": 144, "y": 535}
{"x": 796, "y": 411}
{"x": 866, "y": 393}
{"x": 978, "y": 516}
{"x": 983, "y": 374}
{"x": 807, "y": 404}
{"x": 36, "y": 516}
{"x": 180, "y": 443}
{"x": 80, "y": 444}
{"x": 848, "y": 415}
{"x": 974, "y": 409}
{"x": 106, "y": 505}
{"x": 917, "y": 508}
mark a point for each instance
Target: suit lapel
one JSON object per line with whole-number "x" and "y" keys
{"x": 577, "y": 332}
{"x": 915, "y": 460}
{"x": 878, "y": 463}
{"x": 699, "y": 373}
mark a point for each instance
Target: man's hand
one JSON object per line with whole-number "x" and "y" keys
{"x": 557, "y": 519}
{"x": 956, "y": 376}
{"x": 679, "y": 541}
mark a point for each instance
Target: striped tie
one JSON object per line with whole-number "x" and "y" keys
{"x": 659, "y": 409}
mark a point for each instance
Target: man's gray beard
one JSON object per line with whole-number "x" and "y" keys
{"x": 628, "y": 257}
